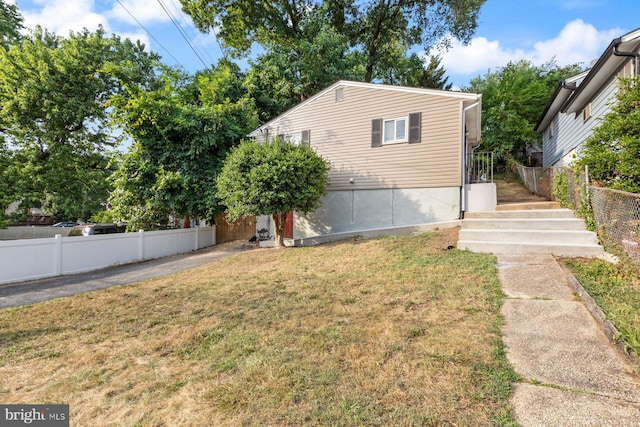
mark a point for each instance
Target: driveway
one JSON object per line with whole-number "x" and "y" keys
{"x": 24, "y": 293}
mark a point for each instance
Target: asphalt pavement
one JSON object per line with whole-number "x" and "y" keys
{"x": 30, "y": 292}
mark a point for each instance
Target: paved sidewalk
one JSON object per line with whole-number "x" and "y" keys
{"x": 571, "y": 374}
{"x": 23, "y": 293}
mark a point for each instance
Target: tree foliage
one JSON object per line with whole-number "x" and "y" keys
{"x": 10, "y": 24}
{"x": 182, "y": 129}
{"x": 613, "y": 151}
{"x": 513, "y": 99}
{"x": 53, "y": 116}
{"x": 312, "y": 43}
{"x": 272, "y": 178}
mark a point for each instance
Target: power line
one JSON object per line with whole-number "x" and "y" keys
{"x": 190, "y": 29}
{"x": 182, "y": 33}
{"x": 150, "y": 35}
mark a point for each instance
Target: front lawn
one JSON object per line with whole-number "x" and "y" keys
{"x": 394, "y": 331}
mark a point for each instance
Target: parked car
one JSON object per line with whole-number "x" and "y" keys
{"x": 65, "y": 224}
{"x": 94, "y": 229}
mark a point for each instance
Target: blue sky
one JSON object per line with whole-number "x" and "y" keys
{"x": 570, "y": 30}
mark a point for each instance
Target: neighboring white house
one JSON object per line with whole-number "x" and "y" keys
{"x": 397, "y": 155}
{"x": 580, "y": 102}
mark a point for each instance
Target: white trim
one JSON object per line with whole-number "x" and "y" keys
{"x": 406, "y": 130}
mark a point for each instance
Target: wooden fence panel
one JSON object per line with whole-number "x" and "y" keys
{"x": 243, "y": 229}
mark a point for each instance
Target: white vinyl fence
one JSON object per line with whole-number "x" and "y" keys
{"x": 38, "y": 258}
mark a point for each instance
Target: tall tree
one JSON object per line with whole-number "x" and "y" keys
{"x": 182, "y": 130}
{"x": 53, "y": 115}
{"x": 288, "y": 74}
{"x": 413, "y": 71}
{"x": 513, "y": 99}
{"x": 372, "y": 29}
{"x": 612, "y": 152}
{"x": 10, "y": 24}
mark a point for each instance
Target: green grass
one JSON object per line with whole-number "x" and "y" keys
{"x": 393, "y": 331}
{"x": 616, "y": 290}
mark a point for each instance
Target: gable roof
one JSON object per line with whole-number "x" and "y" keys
{"x": 465, "y": 96}
{"x": 574, "y": 93}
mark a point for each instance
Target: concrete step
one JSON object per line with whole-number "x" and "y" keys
{"x": 567, "y": 250}
{"x": 524, "y": 223}
{"x": 526, "y": 237}
{"x": 527, "y": 206}
{"x": 527, "y": 213}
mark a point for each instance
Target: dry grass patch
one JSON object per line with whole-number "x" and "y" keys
{"x": 394, "y": 331}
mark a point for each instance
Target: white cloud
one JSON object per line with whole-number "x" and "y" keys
{"x": 577, "y": 42}
{"x": 62, "y": 16}
{"x": 140, "y": 35}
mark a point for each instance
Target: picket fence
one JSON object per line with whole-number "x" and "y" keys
{"x": 30, "y": 259}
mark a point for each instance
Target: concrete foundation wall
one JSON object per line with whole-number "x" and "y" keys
{"x": 481, "y": 197}
{"x": 357, "y": 210}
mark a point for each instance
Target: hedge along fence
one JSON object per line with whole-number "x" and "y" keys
{"x": 22, "y": 260}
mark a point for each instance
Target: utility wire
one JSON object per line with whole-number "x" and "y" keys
{"x": 150, "y": 35}
{"x": 190, "y": 29}
{"x": 182, "y": 33}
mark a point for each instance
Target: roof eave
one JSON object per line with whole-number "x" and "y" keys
{"x": 602, "y": 71}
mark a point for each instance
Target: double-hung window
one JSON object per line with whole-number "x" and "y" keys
{"x": 395, "y": 130}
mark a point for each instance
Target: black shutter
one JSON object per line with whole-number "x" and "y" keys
{"x": 415, "y": 128}
{"x": 305, "y": 138}
{"x": 376, "y": 133}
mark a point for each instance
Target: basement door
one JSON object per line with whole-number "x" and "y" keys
{"x": 288, "y": 225}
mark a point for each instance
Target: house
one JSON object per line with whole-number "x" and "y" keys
{"x": 579, "y": 102}
{"x": 398, "y": 157}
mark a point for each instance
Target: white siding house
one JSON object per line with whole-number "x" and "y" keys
{"x": 397, "y": 155}
{"x": 581, "y": 101}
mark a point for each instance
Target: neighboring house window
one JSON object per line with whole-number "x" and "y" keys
{"x": 550, "y": 131}
{"x": 339, "y": 94}
{"x": 397, "y": 130}
{"x": 586, "y": 113}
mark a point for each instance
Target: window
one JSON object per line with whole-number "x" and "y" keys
{"x": 339, "y": 94}
{"x": 398, "y": 130}
{"x": 395, "y": 130}
{"x": 550, "y": 130}
{"x": 586, "y": 113}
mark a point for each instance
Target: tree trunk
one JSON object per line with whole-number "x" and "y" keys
{"x": 279, "y": 221}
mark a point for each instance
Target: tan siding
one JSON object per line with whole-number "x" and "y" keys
{"x": 341, "y": 133}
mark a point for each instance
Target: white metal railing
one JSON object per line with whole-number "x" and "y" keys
{"x": 479, "y": 168}
{"x": 30, "y": 259}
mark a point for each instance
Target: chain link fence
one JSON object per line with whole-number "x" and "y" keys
{"x": 538, "y": 180}
{"x": 617, "y": 218}
{"x": 614, "y": 214}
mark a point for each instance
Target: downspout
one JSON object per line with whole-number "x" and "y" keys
{"x": 463, "y": 197}
{"x": 633, "y": 55}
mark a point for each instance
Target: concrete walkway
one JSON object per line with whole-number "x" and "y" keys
{"x": 571, "y": 374}
{"x": 23, "y": 293}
